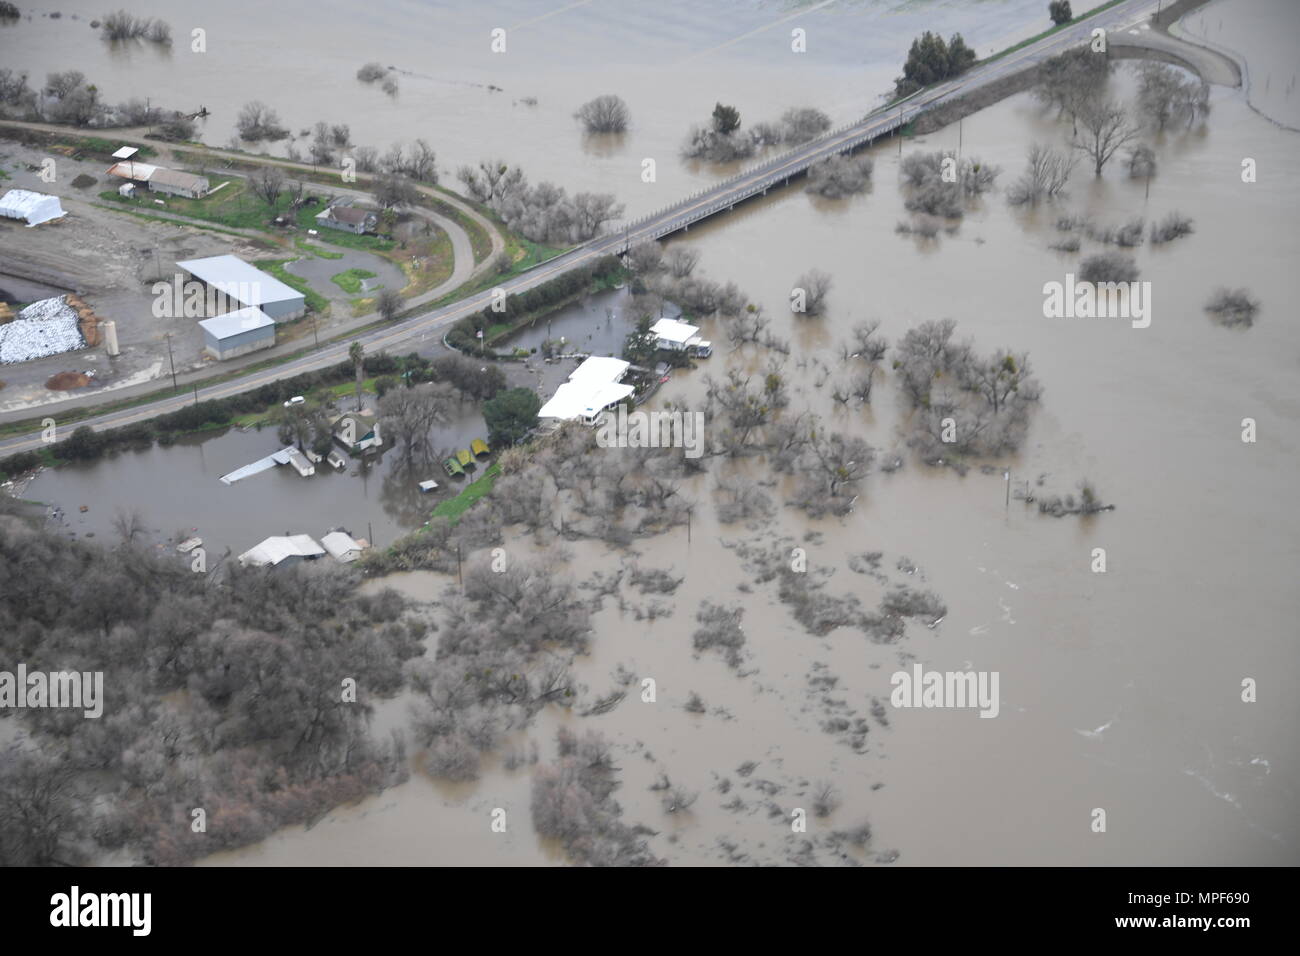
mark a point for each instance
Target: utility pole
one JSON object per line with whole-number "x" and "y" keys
{"x": 171, "y": 361}
{"x": 959, "y": 122}
{"x": 459, "y": 579}
{"x": 196, "y": 393}
{"x": 1008, "y": 478}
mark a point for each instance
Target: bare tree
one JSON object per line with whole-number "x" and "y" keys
{"x": 389, "y": 304}
{"x": 815, "y": 286}
{"x": 409, "y": 414}
{"x": 267, "y": 183}
{"x": 257, "y": 121}
{"x": 1106, "y": 129}
{"x": 604, "y": 114}
{"x": 396, "y": 192}
{"x": 682, "y": 261}
{"x": 1045, "y": 176}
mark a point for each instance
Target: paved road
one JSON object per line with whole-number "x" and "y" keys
{"x": 766, "y": 175}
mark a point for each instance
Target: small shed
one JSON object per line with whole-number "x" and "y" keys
{"x": 238, "y": 333}
{"x": 35, "y": 208}
{"x": 173, "y": 182}
{"x": 342, "y": 546}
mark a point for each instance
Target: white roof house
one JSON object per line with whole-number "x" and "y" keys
{"x": 342, "y": 546}
{"x": 592, "y": 387}
{"x": 676, "y": 335}
{"x": 230, "y": 324}
{"x": 36, "y": 208}
{"x": 247, "y": 285}
{"x": 280, "y": 548}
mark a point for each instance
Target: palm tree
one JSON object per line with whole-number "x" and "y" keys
{"x": 358, "y": 356}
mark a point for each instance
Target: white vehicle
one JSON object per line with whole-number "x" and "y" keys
{"x": 296, "y": 400}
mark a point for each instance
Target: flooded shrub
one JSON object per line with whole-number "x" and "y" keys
{"x": 1233, "y": 307}
{"x": 720, "y": 628}
{"x": 839, "y": 176}
{"x": 604, "y": 114}
{"x": 815, "y": 286}
{"x": 694, "y": 704}
{"x": 1173, "y": 226}
{"x": 371, "y": 72}
{"x": 257, "y": 121}
{"x": 1141, "y": 162}
{"x": 1047, "y": 170}
{"x": 453, "y": 758}
{"x": 1108, "y": 267}
{"x": 1128, "y": 235}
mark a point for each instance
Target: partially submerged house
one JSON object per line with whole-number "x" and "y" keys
{"x": 282, "y": 551}
{"x": 348, "y": 219}
{"x": 33, "y": 208}
{"x": 238, "y": 333}
{"x": 674, "y": 335}
{"x": 248, "y": 286}
{"x": 357, "y": 431}
{"x": 342, "y": 546}
{"x": 595, "y": 385}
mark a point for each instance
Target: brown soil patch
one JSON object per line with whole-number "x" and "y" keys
{"x": 66, "y": 380}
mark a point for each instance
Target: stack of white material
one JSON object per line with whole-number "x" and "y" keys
{"x": 35, "y": 208}
{"x": 43, "y": 328}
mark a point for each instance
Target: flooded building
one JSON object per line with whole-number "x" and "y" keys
{"x": 281, "y": 551}
{"x": 593, "y": 386}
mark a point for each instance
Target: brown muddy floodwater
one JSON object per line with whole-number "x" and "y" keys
{"x": 1118, "y": 690}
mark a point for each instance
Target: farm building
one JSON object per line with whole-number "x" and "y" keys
{"x": 348, "y": 219}
{"x": 248, "y": 286}
{"x": 592, "y": 387}
{"x": 160, "y": 179}
{"x": 282, "y": 551}
{"x": 34, "y": 208}
{"x": 238, "y": 333}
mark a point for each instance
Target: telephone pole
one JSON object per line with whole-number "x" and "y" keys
{"x": 171, "y": 361}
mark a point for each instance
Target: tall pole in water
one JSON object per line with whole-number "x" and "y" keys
{"x": 1008, "y": 477}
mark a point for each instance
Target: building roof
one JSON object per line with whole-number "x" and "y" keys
{"x": 340, "y": 545}
{"x": 133, "y": 170}
{"x": 599, "y": 369}
{"x": 36, "y": 208}
{"x": 174, "y": 177}
{"x": 674, "y": 331}
{"x": 583, "y": 399}
{"x": 349, "y": 214}
{"x": 239, "y": 280}
{"x": 277, "y": 548}
{"x": 236, "y": 323}
{"x": 126, "y": 152}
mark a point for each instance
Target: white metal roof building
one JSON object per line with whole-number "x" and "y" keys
{"x": 281, "y": 549}
{"x": 238, "y": 333}
{"x": 248, "y": 286}
{"x": 592, "y": 387}
{"x": 342, "y": 546}
{"x": 35, "y": 208}
{"x": 676, "y": 335}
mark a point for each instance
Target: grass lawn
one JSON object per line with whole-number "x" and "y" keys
{"x": 315, "y": 301}
{"x": 349, "y": 280}
{"x": 453, "y": 508}
{"x": 316, "y": 251}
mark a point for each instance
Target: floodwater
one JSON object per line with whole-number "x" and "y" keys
{"x": 1119, "y": 691}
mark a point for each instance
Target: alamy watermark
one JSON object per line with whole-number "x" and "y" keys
{"x": 652, "y": 430}
{"x": 1098, "y": 300}
{"x": 941, "y": 689}
{"x": 75, "y": 689}
{"x": 180, "y": 299}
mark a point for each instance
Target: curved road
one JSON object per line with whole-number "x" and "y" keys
{"x": 772, "y": 173}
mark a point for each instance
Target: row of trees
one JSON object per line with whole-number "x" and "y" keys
{"x": 542, "y": 213}
{"x": 723, "y": 140}
{"x": 931, "y": 60}
{"x": 69, "y": 98}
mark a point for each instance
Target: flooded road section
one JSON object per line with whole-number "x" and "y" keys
{"x": 1118, "y": 691}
